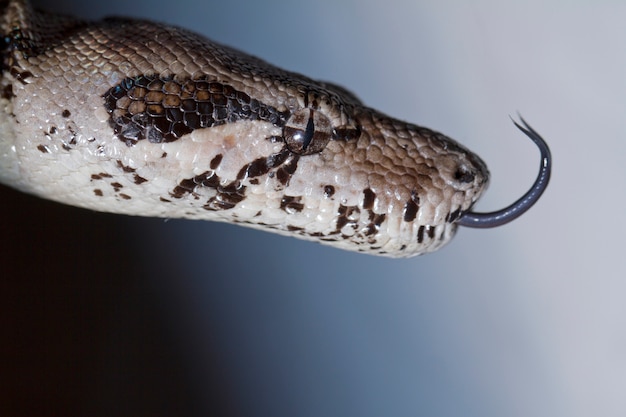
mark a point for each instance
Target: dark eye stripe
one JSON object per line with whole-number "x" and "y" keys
{"x": 162, "y": 109}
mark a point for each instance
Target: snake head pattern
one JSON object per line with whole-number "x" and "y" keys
{"x": 140, "y": 118}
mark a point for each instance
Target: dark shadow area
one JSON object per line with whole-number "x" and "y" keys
{"x": 85, "y": 329}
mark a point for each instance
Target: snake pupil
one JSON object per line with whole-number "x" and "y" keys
{"x": 308, "y": 132}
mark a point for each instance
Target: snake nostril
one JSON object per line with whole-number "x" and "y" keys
{"x": 462, "y": 174}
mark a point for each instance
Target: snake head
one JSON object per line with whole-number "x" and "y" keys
{"x": 404, "y": 189}
{"x": 398, "y": 189}
{"x": 135, "y": 117}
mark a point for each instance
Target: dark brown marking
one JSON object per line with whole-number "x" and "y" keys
{"x": 420, "y": 234}
{"x": 164, "y": 200}
{"x": 283, "y": 177}
{"x": 369, "y": 197}
{"x": 369, "y": 230}
{"x": 139, "y": 179}
{"x": 125, "y": 196}
{"x": 7, "y": 92}
{"x": 116, "y": 186}
{"x": 231, "y": 194}
{"x": 284, "y": 173}
{"x": 410, "y": 211}
{"x": 73, "y": 132}
{"x": 163, "y": 109}
{"x": 66, "y": 113}
{"x": 429, "y": 230}
{"x": 262, "y": 166}
{"x": 451, "y": 217}
{"x": 291, "y": 204}
{"x": 411, "y": 207}
{"x": 21, "y": 76}
{"x": 344, "y": 214}
{"x": 53, "y": 130}
{"x": 227, "y": 198}
{"x": 125, "y": 168}
{"x": 216, "y": 161}
{"x": 279, "y": 158}
{"x": 375, "y": 220}
{"x": 185, "y": 186}
{"x": 208, "y": 179}
{"x": 255, "y": 168}
{"x": 43, "y": 148}
{"x": 342, "y": 218}
{"x": 98, "y": 192}
{"x": 347, "y": 133}
{"x": 100, "y": 176}
{"x": 329, "y": 191}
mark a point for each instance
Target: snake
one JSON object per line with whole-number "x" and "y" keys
{"x": 140, "y": 118}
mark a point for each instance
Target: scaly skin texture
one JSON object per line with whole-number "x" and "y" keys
{"x": 134, "y": 117}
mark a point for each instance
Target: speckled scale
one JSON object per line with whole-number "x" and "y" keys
{"x": 135, "y": 117}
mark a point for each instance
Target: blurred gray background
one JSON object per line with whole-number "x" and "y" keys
{"x": 111, "y": 315}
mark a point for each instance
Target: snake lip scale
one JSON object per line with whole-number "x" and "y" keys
{"x": 141, "y": 118}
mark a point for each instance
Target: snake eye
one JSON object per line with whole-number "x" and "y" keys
{"x": 307, "y": 132}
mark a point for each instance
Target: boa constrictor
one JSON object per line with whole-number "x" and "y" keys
{"x": 135, "y": 117}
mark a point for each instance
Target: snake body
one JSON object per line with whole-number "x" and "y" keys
{"x": 135, "y": 117}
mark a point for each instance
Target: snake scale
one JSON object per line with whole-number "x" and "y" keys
{"x": 135, "y": 117}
